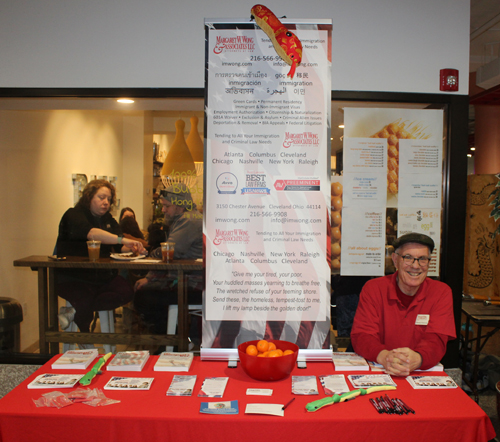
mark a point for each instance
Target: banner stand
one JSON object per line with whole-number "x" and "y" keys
{"x": 267, "y": 190}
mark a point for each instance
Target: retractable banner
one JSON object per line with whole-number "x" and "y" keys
{"x": 267, "y": 186}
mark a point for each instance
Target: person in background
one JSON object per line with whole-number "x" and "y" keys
{"x": 158, "y": 290}
{"x": 157, "y": 233}
{"x": 126, "y": 212}
{"x": 90, "y": 290}
{"x": 404, "y": 320}
{"x": 131, "y": 230}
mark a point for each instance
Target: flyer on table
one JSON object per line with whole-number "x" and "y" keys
{"x": 267, "y": 181}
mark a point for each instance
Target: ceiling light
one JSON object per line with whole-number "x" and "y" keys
{"x": 341, "y": 126}
{"x": 469, "y": 155}
{"x": 472, "y": 148}
{"x": 125, "y": 100}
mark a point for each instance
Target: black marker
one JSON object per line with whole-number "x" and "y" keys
{"x": 376, "y": 406}
{"x": 288, "y": 403}
{"x": 406, "y": 406}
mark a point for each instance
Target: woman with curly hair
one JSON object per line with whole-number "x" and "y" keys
{"x": 90, "y": 290}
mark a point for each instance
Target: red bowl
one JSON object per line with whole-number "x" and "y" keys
{"x": 268, "y": 369}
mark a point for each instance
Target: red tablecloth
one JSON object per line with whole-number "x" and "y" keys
{"x": 441, "y": 415}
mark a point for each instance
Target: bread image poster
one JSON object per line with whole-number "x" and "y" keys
{"x": 393, "y": 159}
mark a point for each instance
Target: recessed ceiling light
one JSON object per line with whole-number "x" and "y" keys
{"x": 469, "y": 155}
{"x": 341, "y": 126}
{"x": 125, "y": 100}
{"x": 472, "y": 148}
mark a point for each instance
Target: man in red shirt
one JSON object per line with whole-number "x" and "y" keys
{"x": 403, "y": 321}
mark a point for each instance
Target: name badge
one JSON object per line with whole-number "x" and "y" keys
{"x": 422, "y": 319}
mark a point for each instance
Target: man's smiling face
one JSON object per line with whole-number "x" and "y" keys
{"x": 411, "y": 276}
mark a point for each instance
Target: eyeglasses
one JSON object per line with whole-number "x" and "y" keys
{"x": 423, "y": 261}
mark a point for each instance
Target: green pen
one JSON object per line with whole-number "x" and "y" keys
{"x": 95, "y": 370}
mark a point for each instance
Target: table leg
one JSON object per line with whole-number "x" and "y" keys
{"x": 475, "y": 368}
{"x": 182, "y": 311}
{"x": 43, "y": 318}
{"x": 53, "y": 309}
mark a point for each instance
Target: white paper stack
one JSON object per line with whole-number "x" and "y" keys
{"x": 128, "y": 361}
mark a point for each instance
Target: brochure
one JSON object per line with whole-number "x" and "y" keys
{"x": 75, "y": 359}
{"x": 421, "y": 382}
{"x": 349, "y": 361}
{"x": 272, "y": 409}
{"x": 334, "y": 384}
{"x": 370, "y": 380}
{"x": 122, "y": 383}
{"x": 182, "y": 385}
{"x": 173, "y": 361}
{"x": 259, "y": 392}
{"x": 304, "y": 385}
{"x": 230, "y": 407}
{"x": 213, "y": 387}
{"x": 374, "y": 366}
{"x": 49, "y": 380}
{"x": 128, "y": 361}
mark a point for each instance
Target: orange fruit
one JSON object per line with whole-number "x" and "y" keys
{"x": 272, "y": 346}
{"x": 274, "y": 354}
{"x": 262, "y": 346}
{"x": 262, "y": 355}
{"x": 288, "y": 352}
{"x": 280, "y": 352}
{"x": 336, "y": 189}
{"x": 252, "y": 350}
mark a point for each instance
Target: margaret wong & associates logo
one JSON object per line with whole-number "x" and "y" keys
{"x": 240, "y": 43}
{"x": 300, "y": 139}
{"x": 234, "y": 236}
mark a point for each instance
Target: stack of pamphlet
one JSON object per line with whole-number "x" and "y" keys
{"x": 349, "y": 361}
{"x": 173, "y": 361}
{"x": 431, "y": 382}
{"x": 129, "y": 361}
{"x": 75, "y": 359}
{"x": 50, "y": 380}
{"x": 131, "y": 384}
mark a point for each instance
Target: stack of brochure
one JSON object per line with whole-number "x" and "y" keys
{"x": 49, "y": 380}
{"x": 431, "y": 382}
{"x": 75, "y": 359}
{"x": 348, "y": 361}
{"x": 173, "y": 361}
{"x": 370, "y": 380}
{"x": 122, "y": 383}
{"x": 128, "y": 361}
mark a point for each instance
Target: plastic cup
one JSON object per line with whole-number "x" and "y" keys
{"x": 167, "y": 251}
{"x": 94, "y": 248}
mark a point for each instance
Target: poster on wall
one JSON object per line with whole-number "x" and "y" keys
{"x": 267, "y": 187}
{"x": 393, "y": 173}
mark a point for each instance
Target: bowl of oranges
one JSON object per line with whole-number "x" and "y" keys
{"x": 268, "y": 360}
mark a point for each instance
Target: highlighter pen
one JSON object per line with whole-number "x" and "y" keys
{"x": 288, "y": 403}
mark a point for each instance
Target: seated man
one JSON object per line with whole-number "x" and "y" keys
{"x": 404, "y": 320}
{"x": 158, "y": 290}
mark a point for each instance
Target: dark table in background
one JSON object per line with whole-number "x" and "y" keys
{"x": 49, "y": 333}
{"x": 483, "y": 316}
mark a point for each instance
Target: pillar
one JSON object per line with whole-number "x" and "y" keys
{"x": 487, "y": 140}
